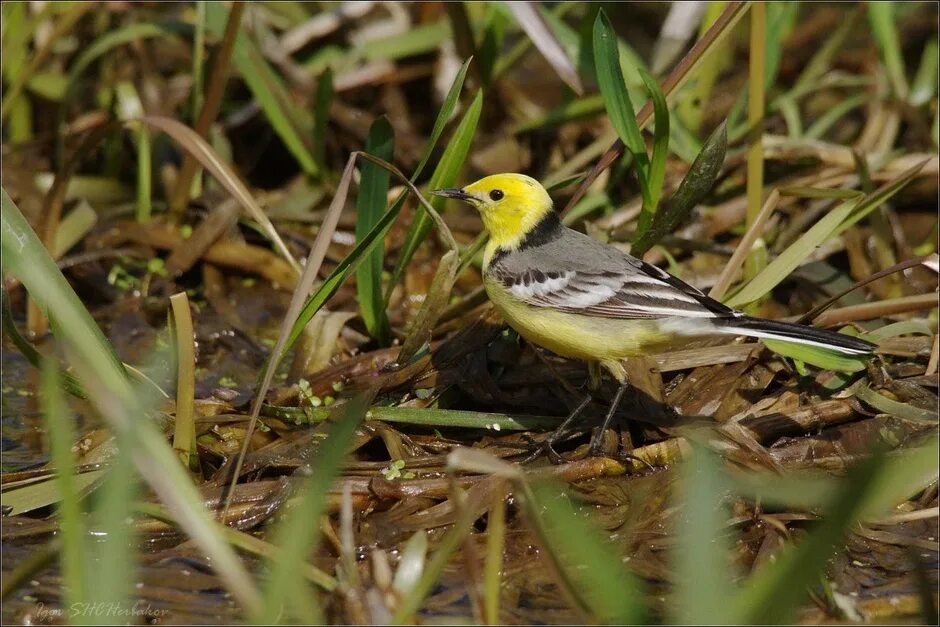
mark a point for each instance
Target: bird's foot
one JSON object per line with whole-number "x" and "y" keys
{"x": 545, "y": 447}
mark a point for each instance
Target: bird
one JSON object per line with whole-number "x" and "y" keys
{"x": 583, "y": 299}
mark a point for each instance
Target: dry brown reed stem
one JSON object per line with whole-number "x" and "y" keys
{"x": 744, "y": 246}
{"x": 880, "y": 309}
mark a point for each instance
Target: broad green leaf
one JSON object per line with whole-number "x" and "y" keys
{"x": 370, "y": 206}
{"x": 351, "y": 261}
{"x": 445, "y": 175}
{"x": 617, "y": 99}
{"x": 590, "y": 569}
{"x": 694, "y": 187}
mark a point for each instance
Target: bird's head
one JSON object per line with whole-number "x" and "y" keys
{"x": 510, "y": 205}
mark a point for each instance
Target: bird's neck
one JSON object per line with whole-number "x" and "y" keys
{"x": 517, "y": 232}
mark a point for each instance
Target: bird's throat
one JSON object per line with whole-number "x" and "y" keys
{"x": 515, "y": 231}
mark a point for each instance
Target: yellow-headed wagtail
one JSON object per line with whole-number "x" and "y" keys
{"x": 584, "y": 299}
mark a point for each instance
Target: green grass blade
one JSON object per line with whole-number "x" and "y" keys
{"x": 617, "y": 99}
{"x": 881, "y": 19}
{"x": 370, "y": 206}
{"x": 421, "y": 39}
{"x": 488, "y": 52}
{"x": 351, "y": 261}
{"x": 785, "y": 263}
{"x": 903, "y": 476}
{"x": 892, "y": 407}
{"x": 297, "y": 536}
{"x": 657, "y": 172}
{"x": 773, "y": 594}
{"x": 445, "y": 175}
{"x": 103, "y": 376}
{"x": 68, "y": 382}
{"x": 691, "y": 107}
{"x": 833, "y": 223}
{"x": 107, "y": 42}
{"x": 115, "y": 568}
{"x": 817, "y": 356}
{"x": 590, "y": 570}
{"x": 426, "y": 416}
{"x": 833, "y": 115}
{"x": 130, "y": 108}
{"x": 881, "y": 195}
{"x": 702, "y": 551}
{"x": 60, "y": 425}
{"x": 292, "y": 124}
{"x": 434, "y": 302}
{"x": 925, "y": 82}
{"x": 756, "y": 92}
{"x": 184, "y": 430}
{"x": 587, "y": 106}
{"x": 199, "y": 54}
{"x": 495, "y": 547}
{"x": 412, "y": 598}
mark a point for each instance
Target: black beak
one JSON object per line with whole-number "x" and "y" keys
{"x": 453, "y": 192}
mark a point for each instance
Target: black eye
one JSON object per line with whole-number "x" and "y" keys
{"x": 496, "y": 194}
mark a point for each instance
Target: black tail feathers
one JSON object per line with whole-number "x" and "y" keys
{"x": 798, "y": 333}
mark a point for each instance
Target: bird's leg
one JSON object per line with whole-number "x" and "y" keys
{"x": 594, "y": 376}
{"x": 598, "y": 439}
{"x": 547, "y": 445}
